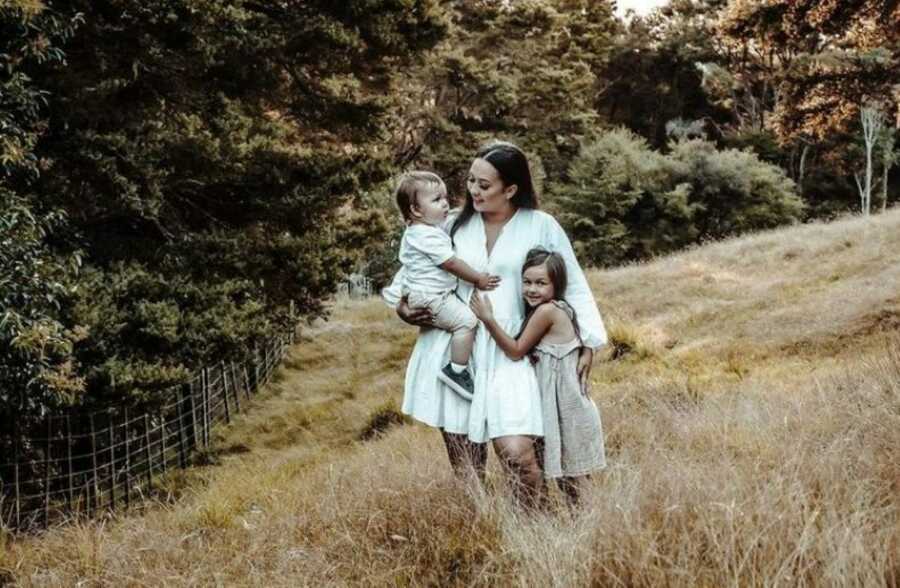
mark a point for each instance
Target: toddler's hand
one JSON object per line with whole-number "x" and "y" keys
{"x": 481, "y": 306}
{"x": 487, "y": 282}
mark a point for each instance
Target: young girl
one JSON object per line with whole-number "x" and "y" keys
{"x": 573, "y": 436}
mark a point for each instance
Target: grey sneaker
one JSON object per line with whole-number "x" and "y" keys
{"x": 461, "y": 383}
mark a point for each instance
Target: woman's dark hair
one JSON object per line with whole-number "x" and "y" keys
{"x": 556, "y": 271}
{"x": 512, "y": 166}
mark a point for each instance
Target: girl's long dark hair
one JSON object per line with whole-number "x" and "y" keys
{"x": 556, "y": 271}
{"x": 512, "y": 166}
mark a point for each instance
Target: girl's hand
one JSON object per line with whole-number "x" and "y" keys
{"x": 585, "y": 359}
{"x": 481, "y": 306}
{"x": 419, "y": 317}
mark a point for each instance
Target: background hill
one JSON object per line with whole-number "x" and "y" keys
{"x": 751, "y": 404}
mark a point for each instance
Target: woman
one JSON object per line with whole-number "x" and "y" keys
{"x": 497, "y": 226}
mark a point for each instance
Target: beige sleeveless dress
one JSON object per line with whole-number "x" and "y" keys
{"x": 573, "y": 435}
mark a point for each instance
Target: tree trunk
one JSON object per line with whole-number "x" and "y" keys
{"x": 872, "y": 121}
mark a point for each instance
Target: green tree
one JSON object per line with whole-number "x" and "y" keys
{"x": 209, "y": 157}
{"x": 626, "y": 201}
{"x": 524, "y": 71}
{"x": 800, "y": 71}
{"x": 37, "y": 368}
{"x": 652, "y": 78}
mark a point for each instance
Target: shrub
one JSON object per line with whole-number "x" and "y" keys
{"x": 625, "y": 201}
{"x": 383, "y": 418}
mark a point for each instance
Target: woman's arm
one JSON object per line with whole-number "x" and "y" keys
{"x": 393, "y": 297}
{"x": 578, "y": 292}
{"x": 419, "y": 317}
{"x": 515, "y": 349}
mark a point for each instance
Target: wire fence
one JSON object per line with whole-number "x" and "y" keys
{"x": 97, "y": 461}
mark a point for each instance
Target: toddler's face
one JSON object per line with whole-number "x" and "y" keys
{"x": 432, "y": 206}
{"x": 536, "y": 285}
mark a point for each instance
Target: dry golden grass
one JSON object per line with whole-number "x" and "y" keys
{"x": 751, "y": 403}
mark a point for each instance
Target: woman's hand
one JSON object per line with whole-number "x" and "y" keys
{"x": 585, "y": 359}
{"x": 419, "y": 317}
{"x": 481, "y": 306}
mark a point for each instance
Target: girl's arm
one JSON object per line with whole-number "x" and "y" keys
{"x": 515, "y": 349}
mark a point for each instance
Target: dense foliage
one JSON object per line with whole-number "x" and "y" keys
{"x": 205, "y": 159}
{"x": 525, "y": 71}
{"x": 626, "y": 201}
{"x": 36, "y": 364}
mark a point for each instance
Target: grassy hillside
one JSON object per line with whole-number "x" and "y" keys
{"x": 751, "y": 403}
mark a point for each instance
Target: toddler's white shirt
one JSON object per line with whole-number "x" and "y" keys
{"x": 422, "y": 250}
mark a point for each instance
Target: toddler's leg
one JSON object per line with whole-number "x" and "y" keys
{"x": 461, "y": 346}
{"x": 456, "y": 317}
{"x": 464, "y": 325}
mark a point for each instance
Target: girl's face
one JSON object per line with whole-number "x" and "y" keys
{"x": 487, "y": 190}
{"x": 536, "y": 285}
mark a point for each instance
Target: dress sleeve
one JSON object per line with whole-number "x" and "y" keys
{"x": 578, "y": 292}
{"x": 391, "y": 294}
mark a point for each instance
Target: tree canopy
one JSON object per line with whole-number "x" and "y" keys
{"x": 175, "y": 173}
{"x": 204, "y": 157}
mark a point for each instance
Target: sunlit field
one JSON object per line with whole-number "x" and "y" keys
{"x": 751, "y": 404}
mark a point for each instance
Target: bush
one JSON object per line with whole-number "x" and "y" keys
{"x": 384, "y": 417}
{"x": 734, "y": 191}
{"x": 624, "y": 201}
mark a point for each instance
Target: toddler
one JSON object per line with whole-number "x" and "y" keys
{"x": 431, "y": 269}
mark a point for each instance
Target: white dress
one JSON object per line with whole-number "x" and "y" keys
{"x": 506, "y": 400}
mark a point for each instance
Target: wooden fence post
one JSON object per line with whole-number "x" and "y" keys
{"x": 198, "y": 440}
{"x": 182, "y": 455}
{"x": 47, "y": 466}
{"x": 162, "y": 440}
{"x": 70, "y": 498}
{"x": 255, "y": 368}
{"x": 225, "y": 393}
{"x": 204, "y": 385}
{"x": 95, "y": 472}
{"x": 148, "y": 451}
{"x": 17, "y": 458}
{"x": 112, "y": 460}
{"x": 225, "y": 379}
{"x": 127, "y": 463}
{"x": 189, "y": 389}
{"x": 238, "y": 381}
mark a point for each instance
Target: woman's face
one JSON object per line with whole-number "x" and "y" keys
{"x": 487, "y": 189}
{"x": 537, "y": 288}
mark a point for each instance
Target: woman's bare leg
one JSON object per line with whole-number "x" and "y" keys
{"x": 572, "y": 487}
{"x": 466, "y": 458}
{"x": 517, "y": 453}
